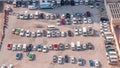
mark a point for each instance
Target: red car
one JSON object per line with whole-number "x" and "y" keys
{"x": 9, "y": 46}
{"x": 88, "y": 14}
{"x": 62, "y": 22}
{"x": 55, "y": 46}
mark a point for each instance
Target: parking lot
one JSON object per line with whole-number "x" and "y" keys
{"x": 44, "y": 60}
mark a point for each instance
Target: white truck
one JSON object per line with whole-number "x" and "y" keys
{"x": 85, "y": 31}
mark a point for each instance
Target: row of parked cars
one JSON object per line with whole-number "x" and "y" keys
{"x": 73, "y": 60}
{"x": 7, "y": 66}
{"x": 36, "y": 15}
{"x": 111, "y": 52}
{"x": 56, "y": 46}
{"x": 85, "y": 31}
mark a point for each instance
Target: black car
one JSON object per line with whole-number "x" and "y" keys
{"x": 66, "y": 59}
{"x": 42, "y": 16}
{"x": 67, "y": 2}
{"x": 70, "y": 34}
{"x": 72, "y": 2}
{"x": 44, "y": 33}
{"x": 90, "y": 46}
{"x": 67, "y": 15}
{"x": 18, "y": 3}
{"x": 29, "y": 47}
{"x": 62, "y": 2}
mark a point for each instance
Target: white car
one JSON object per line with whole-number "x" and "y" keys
{"x": 85, "y": 20}
{"x": 76, "y": 31}
{"x": 13, "y": 31}
{"x": 33, "y": 34}
{"x": 50, "y": 47}
{"x": 49, "y": 34}
{"x": 67, "y": 46}
{"x": 73, "y": 60}
{"x": 19, "y": 47}
{"x": 90, "y": 20}
{"x": 14, "y": 47}
{"x": 45, "y": 49}
{"x": 60, "y": 59}
{"x": 74, "y": 21}
{"x": 39, "y": 34}
{"x": 24, "y": 47}
{"x": 80, "y": 31}
{"x": 22, "y": 32}
{"x": 63, "y": 34}
{"x": 10, "y": 66}
{"x": 84, "y": 46}
{"x": 97, "y": 63}
{"x": 79, "y": 47}
{"x": 34, "y": 48}
{"x": 28, "y": 33}
{"x": 3, "y": 66}
{"x": 79, "y": 21}
{"x": 58, "y": 22}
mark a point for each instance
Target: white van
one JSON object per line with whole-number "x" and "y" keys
{"x": 24, "y": 47}
{"x": 36, "y": 15}
{"x": 113, "y": 61}
{"x": 113, "y": 57}
{"x": 73, "y": 46}
{"x": 112, "y": 52}
{"x": 78, "y": 46}
{"x": 84, "y": 31}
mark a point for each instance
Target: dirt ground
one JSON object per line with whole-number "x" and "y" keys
{"x": 44, "y": 60}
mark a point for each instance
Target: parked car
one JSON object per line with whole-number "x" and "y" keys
{"x": 22, "y": 32}
{"x": 90, "y": 46}
{"x": 29, "y": 47}
{"x": 28, "y": 33}
{"x": 79, "y": 21}
{"x": 66, "y": 59}
{"x": 10, "y": 66}
{"x": 14, "y": 47}
{"x": 50, "y": 47}
{"x": 79, "y": 46}
{"x": 90, "y": 21}
{"x": 73, "y": 47}
{"x": 74, "y": 21}
{"x": 55, "y": 59}
{"x": 44, "y": 33}
{"x": 34, "y": 48}
{"x": 67, "y": 46}
{"x": 19, "y": 47}
{"x": 68, "y": 21}
{"x": 55, "y": 46}
{"x": 58, "y": 22}
{"x": 60, "y": 59}
{"x": 88, "y": 14}
{"x": 76, "y": 30}
{"x": 80, "y": 31}
{"x": 91, "y": 62}
{"x": 24, "y": 47}
{"x": 13, "y": 31}
{"x": 31, "y": 56}
{"x": 67, "y": 16}
{"x": 73, "y": 60}
{"x": 33, "y": 34}
{"x": 84, "y": 46}
{"x": 3, "y": 66}
{"x": 97, "y": 64}
{"x": 39, "y": 48}
{"x": 80, "y": 61}
{"x": 45, "y": 49}
{"x": 61, "y": 46}
{"x": 70, "y": 34}
{"x": 85, "y": 20}
{"x": 63, "y": 34}
{"x": 39, "y": 34}
{"x": 18, "y": 56}
{"x": 9, "y": 46}
{"x": 17, "y": 31}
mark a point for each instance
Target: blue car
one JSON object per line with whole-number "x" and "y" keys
{"x": 39, "y": 47}
{"x": 46, "y": 6}
{"x": 91, "y": 62}
{"x": 18, "y": 56}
